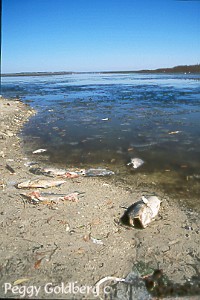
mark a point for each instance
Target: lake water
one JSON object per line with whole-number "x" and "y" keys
{"x": 104, "y": 120}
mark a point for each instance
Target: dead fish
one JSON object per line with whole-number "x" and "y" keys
{"x": 96, "y": 241}
{"x": 174, "y": 132}
{"x": 48, "y": 171}
{"x": 71, "y": 175}
{"x": 98, "y": 172}
{"x": 55, "y": 172}
{"x": 39, "y": 151}
{"x": 37, "y": 171}
{"x": 136, "y": 162}
{"x": 39, "y": 183}
{"x": 37, "y": 197}
{"x": 142, "y": 212}
{"x": 143, "y": 145}
{"x": 30, "y": 163}
{"x": 73, "y": 143}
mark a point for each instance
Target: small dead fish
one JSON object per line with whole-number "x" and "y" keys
{"x": 142, "y": 212}
{"x": 39, "y": 151}
{"x": 136, "y": 162}
{"x": 30, "y": 163}
{"x": 144, "y": 145}
{"x": 37, "y": 197}
{"x": 73, "y": 143}
{"x": 39, "y": 183}
{"x": 98, "y": 172}
{"x": 96, "y": 241}
{"x": 174, "y": 132}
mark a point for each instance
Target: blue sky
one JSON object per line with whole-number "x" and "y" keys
{"x": 99, "y": 35}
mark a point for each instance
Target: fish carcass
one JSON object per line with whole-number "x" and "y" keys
{"x": 38, "y": 197}
{"x": 72, "y": 173}
{"x": 61, "y": 172}
{"x": 142, "y": 212}
{"x": 39, "y": 151}
{"x": 97, "y": 172}
{"x": 53, "y": 172}
{"x": 136, "y": 162}
{"x": 39, "y": 183}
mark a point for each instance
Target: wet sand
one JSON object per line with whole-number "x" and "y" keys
{"x": 56, "y": 243}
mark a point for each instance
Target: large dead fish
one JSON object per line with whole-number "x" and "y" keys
{"x": 52, "y": 172}
{"x": 39, "y": 183}
{"x": 37, "y": 197}
{"x": 142, "y": 212}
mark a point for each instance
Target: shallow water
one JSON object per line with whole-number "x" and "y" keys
{"x": 107, "y": 119}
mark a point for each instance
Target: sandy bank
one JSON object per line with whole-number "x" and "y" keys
{"x": 52, "y": 243}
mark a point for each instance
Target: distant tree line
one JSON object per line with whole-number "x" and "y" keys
{"x": 178, "y": 69}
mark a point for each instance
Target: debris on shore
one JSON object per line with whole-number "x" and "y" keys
{"x": 155, "y": 285}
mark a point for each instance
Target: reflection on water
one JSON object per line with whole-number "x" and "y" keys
{"x": 106, "y": 119}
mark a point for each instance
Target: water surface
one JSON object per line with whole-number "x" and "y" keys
{"x": 90, "y": 120}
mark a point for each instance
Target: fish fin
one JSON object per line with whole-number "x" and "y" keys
{"x": 131, "y": 222}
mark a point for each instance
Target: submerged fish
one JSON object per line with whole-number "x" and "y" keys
{"x": 144, "y": 145}
{"x": 36, "y": 197}
{"x": 174, "y": 132}
{"x": 136, "y": 162}
{"x": 142, "y": 212}
{"x": 69, "y": 173}
{"x": 39, "y": 151}
{"x": 98, "y": 172}
{"x": 39, "y": 183}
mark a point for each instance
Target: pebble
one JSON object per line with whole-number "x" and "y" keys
{"x": 9, "y": 133}
{"x": 2, "y": 154}
{"x": 188, "y": 227}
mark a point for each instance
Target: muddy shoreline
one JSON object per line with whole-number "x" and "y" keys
{"x": 52, "y": 243}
